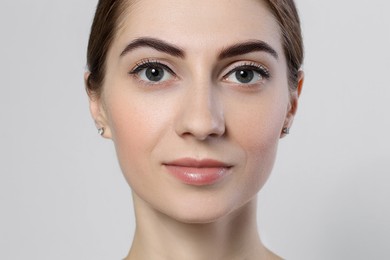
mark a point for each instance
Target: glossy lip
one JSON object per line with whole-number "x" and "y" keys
{"x": 198, "y": 172}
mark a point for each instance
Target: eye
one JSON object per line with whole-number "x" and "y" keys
{"x": 152, "y": 71}
{"x": 247, "y": 74}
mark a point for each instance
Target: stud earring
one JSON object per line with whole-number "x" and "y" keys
{"x": 101, "y": 131}
{"x": 286, "y": 130}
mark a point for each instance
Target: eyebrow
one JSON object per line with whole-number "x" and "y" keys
{"x": 247, "y": 47}
{"x": 231, "y": 51}
{"x": 156, "y": 44}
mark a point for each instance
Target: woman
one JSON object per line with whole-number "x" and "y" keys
{"x": 195, "y": 96}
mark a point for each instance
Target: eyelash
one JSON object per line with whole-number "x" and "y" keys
{"x": 144, "y": 64}
{"x": 147, "y": 63}
{"x": 260, "y": 69}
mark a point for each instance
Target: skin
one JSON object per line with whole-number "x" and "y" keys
{"x": 199, "y": 112}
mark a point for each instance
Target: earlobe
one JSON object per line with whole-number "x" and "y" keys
{"x": 100, "y": 118}
{"x": 293, "y": 106}
{"x": 97, "y": 111}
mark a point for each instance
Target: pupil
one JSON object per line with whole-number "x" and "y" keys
{"x": 154, "y": 74}
{"x": 244, "y": 76}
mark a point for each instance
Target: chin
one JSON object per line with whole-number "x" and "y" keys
{"x": 204, "y": 211}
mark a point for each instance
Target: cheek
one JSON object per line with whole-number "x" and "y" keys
{"x": 257, "y": 126}
{"x": 256, "y": 129}
{"x": 132, "y": 128}
{"x": 137, "y": 124}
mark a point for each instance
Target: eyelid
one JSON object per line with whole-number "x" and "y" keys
{"x": 143, "y": 64}
{"x": 249, "y": 65}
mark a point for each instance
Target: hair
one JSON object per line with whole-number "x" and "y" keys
{"x": 109, "y": 14}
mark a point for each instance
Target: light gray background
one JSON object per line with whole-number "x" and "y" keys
{"x": 62, "y": 195}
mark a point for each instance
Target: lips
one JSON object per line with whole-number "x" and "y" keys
{"x": 198, "y": 172}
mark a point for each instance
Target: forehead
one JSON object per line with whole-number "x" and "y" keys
{"x": 201, "y": 23}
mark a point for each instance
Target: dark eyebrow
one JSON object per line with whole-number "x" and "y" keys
{"x": 247, "y": 47}
{"x": 155, "y": 44}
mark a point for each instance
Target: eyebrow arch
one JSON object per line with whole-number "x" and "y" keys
{"x": 247, "y": 47}
{"x": 156, "y": 44}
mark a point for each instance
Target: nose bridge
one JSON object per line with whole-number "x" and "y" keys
{"x": 201, "y": 112}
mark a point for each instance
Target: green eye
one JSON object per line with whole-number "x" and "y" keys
{"x": 153, "y": 72}
{"x": 247, "y": 74}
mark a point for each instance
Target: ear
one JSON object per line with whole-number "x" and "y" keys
{"x": 293, "y": 106}
{"x": 97, "y": 109}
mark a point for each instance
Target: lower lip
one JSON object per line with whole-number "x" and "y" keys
{"x": 198, "y": 176}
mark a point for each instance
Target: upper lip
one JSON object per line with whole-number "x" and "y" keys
{"x": 204, "y": 163}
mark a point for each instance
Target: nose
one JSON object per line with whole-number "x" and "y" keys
{"x": 201, "y": 114}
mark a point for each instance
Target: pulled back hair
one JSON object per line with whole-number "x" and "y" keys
{"x": 110, "y": 12}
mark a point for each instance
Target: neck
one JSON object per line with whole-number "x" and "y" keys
{"x": 158, "y": 236}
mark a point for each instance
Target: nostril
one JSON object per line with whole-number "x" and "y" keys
{"x": 201, "y": 128}
{"x": 201, "y": 115}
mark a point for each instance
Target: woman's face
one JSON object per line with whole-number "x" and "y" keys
{"x": 195, "y": 99}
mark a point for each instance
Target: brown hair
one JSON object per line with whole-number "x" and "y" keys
{"x": 110, "y": 12}
{"x": 104, "y": 27}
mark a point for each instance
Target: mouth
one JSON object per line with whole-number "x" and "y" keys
{"x": 198, "y": 172}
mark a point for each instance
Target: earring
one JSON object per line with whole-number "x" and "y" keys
{"x": 286, "y": 130}
{"x": 101, "y": 131}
